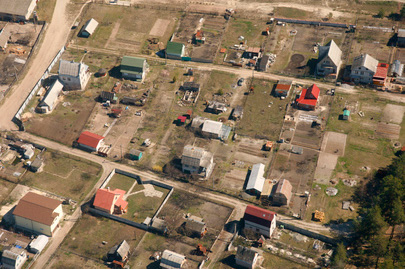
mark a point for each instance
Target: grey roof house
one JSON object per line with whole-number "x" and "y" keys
{"x": 88, "y": 28}
{"x": 13, "y": 258}
{"x": 51, "y": 97}
{"x": 195, "y": 227}
{"x": 133, "y": 68}
{"x": 17, "y": 9}
{"x": 172, "y": 260}
{"x": 36, "y": 165}
{"x": 246, "y": 257}
{"x": 363, "y": 69}
{"x": 197, "y": 161}
{"x": 74, "y": 76}
{"x": 329, "y": 60}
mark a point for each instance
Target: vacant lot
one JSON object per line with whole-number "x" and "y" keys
{"x": 64, "y": 175}
{"x": 263, "y": 114}
{"x": 89, "y": 242}
{"x": 373, "y": 42}
{"x": 363, "y": 147}
{"x": 5, "y": 189}
{"x": 250, "y": 30}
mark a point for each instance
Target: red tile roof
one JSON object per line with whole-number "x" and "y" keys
{"x": 382, "y": 70}
{"x": 105, "y": 198}
{"x": 199, "y": 33}
{"x": 182, "y": 118}
{"x": 309, "y": 96}
{"x": 89, "y": 139}
{"x": 37, "y": 208}
{"x": 259, "y": 215}
{"x": 283, "y": 87}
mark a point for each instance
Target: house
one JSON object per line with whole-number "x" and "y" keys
{"x": 38, "y": 214}
{"x": 74, "y": 76}
{"x": 283, "y": 88}
{"x": 135, "y": 154}
{"x": 13, "y": 258}
{"x": 172, "y": 260}
{"x": 237, "y": 113}
{"x": 195, "y": 227}
{"x": 401, "y": 38}
{"x": 133, "y": 68}
{"x": 108, "y": 96}
{"x": 175, "y": 50}
{"x": 260, "y": 220}
{"x": 38, "y": 244}
{"x": 308, "y": 98}
{"x": 246, "y": 257}
{"x": 36, "y": 165}
{"x": 256, "y": 179}
{"x": 88, "y": 28}
{"x": 51, "y": 97}
{"x": 199, "y": 37}
{"x": 263, "y": 63}
{"x": 380, "y": 75}
{"x": 4, "y": 38}
{"x": 119, "y": 253}
{"x": 251, "y": 53}
{"x": 159, "y": 225}
{"x": 346, "y": 114}
{"x": 28, "y": 150}
{"x": 216, "y": 107}
{"x": 329, "y": 60}
{"x": 197, "y": 161}
{"x": 363, "y": 69}
{"x": 90, "y": 141}
{"x": 110, "y": 201}
{"x": 17, "y": 9}
{"x": 283, "y": 193}
{"x": 190, "y": 86}
{"x": 397, "y": 69}
{"x": 215, "y": 130}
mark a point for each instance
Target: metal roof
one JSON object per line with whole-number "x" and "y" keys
{"x": 52, "y": 94}
{"x": 213, "y": 127}
{"x": 365, "y": 60}
{"x": 174, "y": 48}
{"x": 284, "y": 187}
{"x": 332, "y": 51}
{"x": 171, "y": 260}
{"x": 90, "y": 26}
{"x": 16, "y": 7}
{"x": 123, "y": 249}
{"x": 246, "y": 254}
{"x": 70, "y": 68}
{"x": 39, "y": 243}
{"x": 256, "y": 179}
{"x": 132, "y": 65}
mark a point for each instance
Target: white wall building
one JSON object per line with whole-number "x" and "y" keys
{"x": 74, "y": 76}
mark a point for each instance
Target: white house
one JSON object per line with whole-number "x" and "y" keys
{"x": 74, "y": 76}
{"x": 17, "y": 9}
{"x": 260, "y": 220}
{"x": 363, "y": 69}
{"x": 38, "y": 214}
{"x": 197, "y": 161}
{"x": 256, "y": 179}
{"x": 172, "y": 260}
{"x": 49, "y": 101}
{"x": 329, "y": 60}
{"x": 13, "y": 258}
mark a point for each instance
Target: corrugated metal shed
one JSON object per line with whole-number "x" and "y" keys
{"x": 90, "y": 26}
{"x": 171, "y": 260}
{"x": 256, "y": 178}
{"x": 38, "y": 244}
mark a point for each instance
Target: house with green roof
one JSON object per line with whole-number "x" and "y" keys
{"x": 133, "y": 68}
{"x": 174, "y": 50}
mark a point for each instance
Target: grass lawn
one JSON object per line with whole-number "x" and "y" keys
{"x": 64, "y": 175}
{"x": 141, "y": 206}
{"x": 291, "y": 13}
{"x": 45, "y": 9}
{"x": 122, "y": 182}
{"x": 332, "y": 206}
{"x": 276, "y": 262}
{"x": 88, "y": 242}
{"x": 250, "y": 30}
{"x": 363, "y": 146}
{"x": 263, "y": 114}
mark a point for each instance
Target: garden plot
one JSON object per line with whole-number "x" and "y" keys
{"x": 393, "y": 114}
{"x": 373, "y": 42}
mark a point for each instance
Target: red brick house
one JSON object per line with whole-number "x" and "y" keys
{"x": 308, "y": 98}
{"x": 110, "y": 201}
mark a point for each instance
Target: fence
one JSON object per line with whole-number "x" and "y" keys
{"x": 38, "y": 85}
{"x": 316, "y": 23}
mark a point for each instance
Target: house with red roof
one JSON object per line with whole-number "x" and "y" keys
{"x": 260, "y": 220}
{"x": 308, "y": 98}
{"x": 90, "y": 141}
{"x": 110, "y": 201}
{"x": 380, "y": 75}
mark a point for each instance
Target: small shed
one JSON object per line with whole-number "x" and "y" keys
{"x": 181, "y": 120}
{"x": 38, "y": 244}
{"x": 108, "y": 96}
{"x": 297, "y": 150}
{"x": 346, "y": 114}
{"x": 119, "y": 253}
{"x": 188, "y": 114}
{"x": 88, "y": 28}
{"x": 116, "y": 112}
{"x": 102, "y": 72}
{"x": 196, "y": 227}
{"x": 36, "y": 165}
{"x": 319, "y": 216}
{"x": 237, "y": 113}
{"x": 135, "y": 154}
{"x": 268, "y": 146}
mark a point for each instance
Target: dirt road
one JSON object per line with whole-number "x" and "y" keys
{"x": 55, "y": 37}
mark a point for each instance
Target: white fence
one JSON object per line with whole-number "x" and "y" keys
{"x": 38, "y": 84}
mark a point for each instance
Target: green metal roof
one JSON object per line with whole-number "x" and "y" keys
{"x": 132, "y": 65}
{"x": 346, "y": 112}
{"x": 174, "y": 48}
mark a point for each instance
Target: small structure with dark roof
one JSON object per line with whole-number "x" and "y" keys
{"x": 119, "y": 253}
{"x": 283, "y": 193}
{"x": 263, "y": 63}
{"x": 175, "y": 50}
{"x": 38, "y": 214}
{"x": 135, "y": 154}
{"x": 37, "y": 165}
{"x": 283, "y": 88}
{"x": 195, "y": 227}
{"x": 246, "y": 257}
{"x": 401, "y": 38}
{"x": 108, "y": 96}
{"x": 216, "y": 107}
{"x": 190, "y": 86}
{"x": 237, "y": 113}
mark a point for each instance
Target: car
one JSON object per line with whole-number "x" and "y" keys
{"x": 240, "y": 81}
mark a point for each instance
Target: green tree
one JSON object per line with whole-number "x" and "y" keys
{"x": 371, "y": 224}
{"x": 220, "y": 92}
{"x": 174, "y": 79}
{"x": 379, "y": 245}
{"x": 340, "y": 256}
{"x": 381, "y": 13}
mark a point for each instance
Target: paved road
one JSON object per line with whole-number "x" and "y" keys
{"x": 108, "y": 166}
